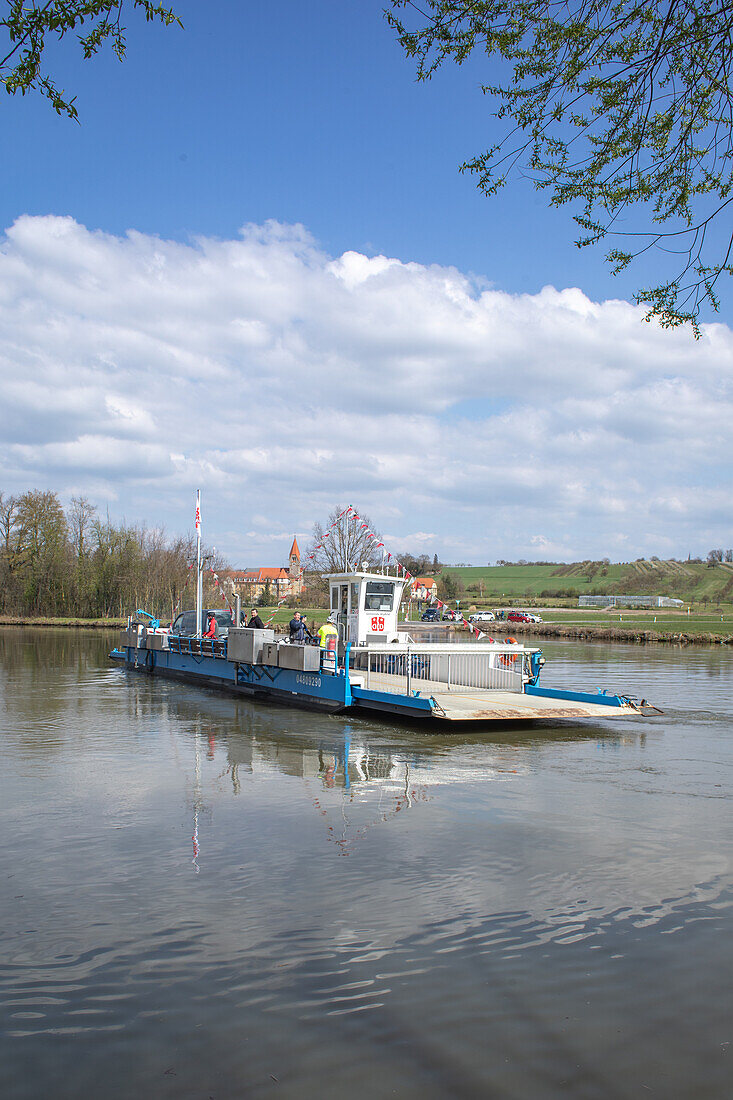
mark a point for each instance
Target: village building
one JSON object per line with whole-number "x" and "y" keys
{"x": 423, "y": 588}
{"x": 249, "y": 584}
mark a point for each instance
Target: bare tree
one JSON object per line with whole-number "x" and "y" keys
{"x": 344, "y": 544}
{"x": 79, "y": 519}
{"x": 8, "y": 510}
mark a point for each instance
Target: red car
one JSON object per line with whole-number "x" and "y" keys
{"x": 518, "y": 617}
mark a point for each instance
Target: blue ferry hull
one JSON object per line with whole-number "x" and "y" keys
{"x": 315, "y": 691}
{"x": 333, "y": 690}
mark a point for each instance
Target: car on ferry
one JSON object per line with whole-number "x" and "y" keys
{"x": 185, "y": 623}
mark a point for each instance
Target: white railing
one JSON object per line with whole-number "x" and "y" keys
{"x": 404, "y": 669}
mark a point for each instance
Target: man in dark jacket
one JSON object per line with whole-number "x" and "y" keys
{"x": 256, "y": 621}
{"x": 296, "y": 628}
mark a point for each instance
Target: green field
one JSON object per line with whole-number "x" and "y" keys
{"x": 529, "y": 580}
{"x": 693, "y": 582}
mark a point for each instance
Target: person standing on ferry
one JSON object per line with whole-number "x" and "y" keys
{"x": 255, "y": 622}
{"x": 327, "y": 631}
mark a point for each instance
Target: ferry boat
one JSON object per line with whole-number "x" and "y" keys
{"x": 374, "y": 666}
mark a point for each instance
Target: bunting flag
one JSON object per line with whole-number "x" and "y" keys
{"x": 351, "y": 515}
{"x": 220, "y": 586}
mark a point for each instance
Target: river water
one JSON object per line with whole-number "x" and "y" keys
{"x": 204, "y": 897}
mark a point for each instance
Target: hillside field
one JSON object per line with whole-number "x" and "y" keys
{"x": 693, "y": 582}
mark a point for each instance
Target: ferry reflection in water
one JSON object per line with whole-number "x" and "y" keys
{"x": 202, "y": 894}
{"x": 379, "y": 775}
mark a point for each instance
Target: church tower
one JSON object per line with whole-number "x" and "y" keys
{"x": 294, "y": 569}
{"x": 294, "y": 557}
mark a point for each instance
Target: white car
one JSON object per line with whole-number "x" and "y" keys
{"x": 532, "y": 617}
{"x": 482, "y": 617}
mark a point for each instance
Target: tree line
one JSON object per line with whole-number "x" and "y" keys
{"x": 57, "y": 563}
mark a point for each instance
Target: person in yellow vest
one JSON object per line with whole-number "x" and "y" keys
{"x": 327, "y": 630}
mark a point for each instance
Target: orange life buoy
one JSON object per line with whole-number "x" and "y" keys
{"x": 509, "y": 658}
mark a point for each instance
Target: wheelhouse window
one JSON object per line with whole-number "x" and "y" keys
{"x": 379, "y": 596}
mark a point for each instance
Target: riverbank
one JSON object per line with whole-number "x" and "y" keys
{"x": 583, "y": 633}
{"x": 608, "y": 633}
{"x": 71, "y": 623}
{"x": 542, "y": 630}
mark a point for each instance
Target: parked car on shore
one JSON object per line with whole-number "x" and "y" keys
{"x": 451, "y": 616}
{"x": 482, "y": 617}
{"x": 518, "y": 617}
{"x": 431, "y": 615}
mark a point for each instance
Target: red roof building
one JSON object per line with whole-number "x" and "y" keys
{"x": 250, "y": 583}
{"x": 423, "y": 588}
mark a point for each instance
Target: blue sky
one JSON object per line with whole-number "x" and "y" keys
{"x": 299, "y": 112}
{"x": 287, "y": 371}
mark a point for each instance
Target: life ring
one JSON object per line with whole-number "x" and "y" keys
{"x": 509, "y": 658}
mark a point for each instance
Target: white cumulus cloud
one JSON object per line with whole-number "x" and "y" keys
{"x": 284, "y": 382}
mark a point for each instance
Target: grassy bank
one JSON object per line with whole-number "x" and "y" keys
{"x": 678, "y": 629}
{"x": 657, "y": 622}
{"x": 282, "y": 616}
{"x": 639, "y": 632}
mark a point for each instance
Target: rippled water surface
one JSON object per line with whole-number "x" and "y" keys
{"x": 203, "y": 897}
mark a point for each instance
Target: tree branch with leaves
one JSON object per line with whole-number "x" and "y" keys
{"x": 29, "y": 25}
{"x": 612, "y": 106}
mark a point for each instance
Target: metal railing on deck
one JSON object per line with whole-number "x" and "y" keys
{"x": 197, "y": 647}
{"x": 404, "y": 669}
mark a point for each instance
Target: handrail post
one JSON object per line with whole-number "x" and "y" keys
{"x": 409, "y": 670}
{"x": 449, "y": 657}
{"x": 348, "y": 698}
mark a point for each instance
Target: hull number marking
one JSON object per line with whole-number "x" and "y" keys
{"x": 308, "y": 681}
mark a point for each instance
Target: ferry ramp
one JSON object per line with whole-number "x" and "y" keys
{"x": 432, "y": 698}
